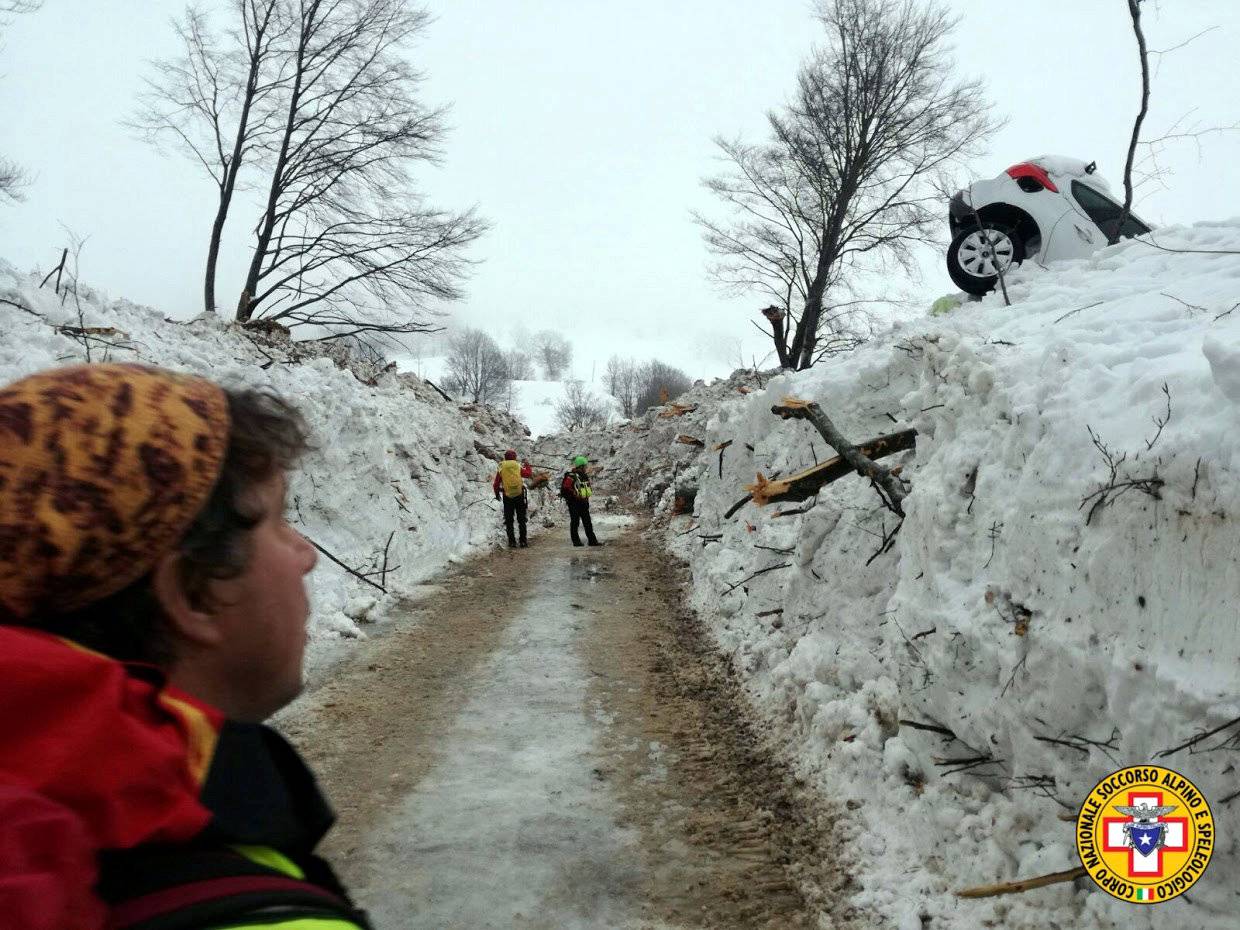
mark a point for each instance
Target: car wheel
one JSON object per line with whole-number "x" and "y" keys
{"x": 976, "y": 256}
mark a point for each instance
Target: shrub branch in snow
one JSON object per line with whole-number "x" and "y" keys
{"x": 1119, "y": 482}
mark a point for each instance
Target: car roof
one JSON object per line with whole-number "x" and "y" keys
{"x": 1075, "y": 169}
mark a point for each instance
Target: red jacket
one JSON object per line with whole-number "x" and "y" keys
{"x": 93, "y": 756}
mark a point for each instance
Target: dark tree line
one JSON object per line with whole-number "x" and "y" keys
{"x": 637, "y": 387}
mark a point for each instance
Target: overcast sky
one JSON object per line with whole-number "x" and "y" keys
{"x": 581, "y": 131}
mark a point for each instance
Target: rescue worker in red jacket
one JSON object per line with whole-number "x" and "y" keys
{"x": 509, "y": 486}
{"x": 576, "y": 491}
{"x": 152, "y": 615}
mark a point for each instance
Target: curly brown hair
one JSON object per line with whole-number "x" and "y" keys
{"x": 267, "y": 435}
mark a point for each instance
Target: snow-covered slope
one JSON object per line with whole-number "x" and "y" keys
{"x": 1050, "y": 644}
{"x": 391, "y": 457}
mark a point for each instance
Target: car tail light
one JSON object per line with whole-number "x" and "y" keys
{"x": 1034, "y": 173}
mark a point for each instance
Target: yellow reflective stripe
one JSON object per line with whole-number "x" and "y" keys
{"x": 301, "y": 923}
{"x": 277, "y": 861}
{"x": 272, "y": 859}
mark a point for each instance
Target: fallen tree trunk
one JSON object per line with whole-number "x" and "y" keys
{"x": 805, "y": 484}
{"x": 889, "y": 485}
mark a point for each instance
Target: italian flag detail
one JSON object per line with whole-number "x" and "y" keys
{"x": 1144, "y": 894}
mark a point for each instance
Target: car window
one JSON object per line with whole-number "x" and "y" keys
{"x": 1105, "y": 212}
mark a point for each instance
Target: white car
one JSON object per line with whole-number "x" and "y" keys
{"x": 1050, "y": 207}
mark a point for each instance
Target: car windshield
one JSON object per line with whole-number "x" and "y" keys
{"x": 1105, "y": 212}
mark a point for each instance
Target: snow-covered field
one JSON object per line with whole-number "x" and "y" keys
{"x": 391, "y": 457}
{"x": 1003, "y": 613}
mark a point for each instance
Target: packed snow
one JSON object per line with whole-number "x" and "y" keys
{"x": 390, "y": 456}
{"x": 1005, "y": 612}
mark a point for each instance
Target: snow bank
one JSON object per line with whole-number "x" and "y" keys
{"x": 1005, "y": 612}
{"x": 391, "y": 456}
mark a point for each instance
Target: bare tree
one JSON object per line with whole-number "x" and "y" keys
{"x": 579, "y": 409}
{"x": 215, "y": 101}
{"x": 621, "y": 378}
{"x": 1134, "y": 10}
{"x": 518, "y": 365}
{"x": 13, "y": 180}
{"x": 553, "y": 352}
{"x": 657, "y": 384}
{"x": 848, "y": 173}
{"x": 345, "y": 241}
{"x": 477, "y": 369}
{"x": 13, "y": 177}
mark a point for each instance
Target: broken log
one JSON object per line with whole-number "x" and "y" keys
{"x": 889, "y": 486}
{"x": 690, "y": 440}
{"x": 805, "y": 484}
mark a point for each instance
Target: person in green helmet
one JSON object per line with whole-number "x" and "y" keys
{"x": 575, "y": 489}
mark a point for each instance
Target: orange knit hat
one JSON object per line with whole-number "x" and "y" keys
{"x": 102, "y": 470}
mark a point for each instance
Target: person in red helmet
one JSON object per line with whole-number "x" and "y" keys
{"x": 509, "y": 487}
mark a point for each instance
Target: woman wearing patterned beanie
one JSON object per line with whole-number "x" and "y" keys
{"x": 152, "y": 615}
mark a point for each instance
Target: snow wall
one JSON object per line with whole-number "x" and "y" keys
{"x": 1051, "y": 646}
{"x": 391, "y": 456}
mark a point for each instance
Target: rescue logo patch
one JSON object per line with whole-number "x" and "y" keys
{"x": 1145, "y": 834}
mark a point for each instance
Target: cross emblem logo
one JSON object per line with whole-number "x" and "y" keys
{"x": 1145, "y": 831}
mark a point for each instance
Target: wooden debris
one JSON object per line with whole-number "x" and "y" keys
{"x": 690, "y": 440}
{"x": 805, "y": 484}
{"x": 792, "y": 403}
{"x": 1025, "y": 884}
{"x": 677, "y": 410}
{"x": 539, "y": 479}
{"x": 890, "y": 488}
{"x": 743, "y": 389}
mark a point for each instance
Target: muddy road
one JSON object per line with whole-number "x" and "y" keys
{"x": 549, "y": 742}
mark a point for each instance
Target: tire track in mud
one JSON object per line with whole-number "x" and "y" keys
{"x": 731, "y": 839}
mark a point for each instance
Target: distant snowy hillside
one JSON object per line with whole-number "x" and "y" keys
{"x": 532, "y": 402}
{"x": 1038, "y": 645}
{"x": 391, "y": 456}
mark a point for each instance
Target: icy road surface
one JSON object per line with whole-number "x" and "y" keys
{"x": 549, "y": 744}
